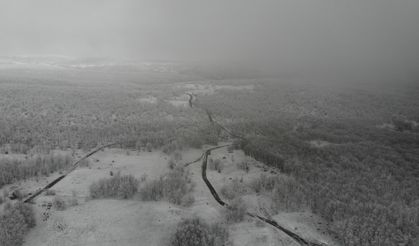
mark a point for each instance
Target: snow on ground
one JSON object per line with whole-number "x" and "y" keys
{"x": 305, "y": 223}
{"x": 207, "y": 89}
{"x": 203, "y": 89}
{"x": 148, "y": 99}
{"x": 179, "y": 103}
{"x": 250, "y": 233}
{"x": 135, "y": 222}
{"x": 319, "y": 143}
{"x": 108, "y": 222}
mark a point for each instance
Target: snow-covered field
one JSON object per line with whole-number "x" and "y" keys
{"x": 136, "y": 222}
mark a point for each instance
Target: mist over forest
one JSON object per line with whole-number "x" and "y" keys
{"x": 209, "y": 123}
{"x": 349, "y": 40}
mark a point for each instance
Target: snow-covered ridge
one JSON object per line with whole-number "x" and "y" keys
{"x": 64, "y": 62}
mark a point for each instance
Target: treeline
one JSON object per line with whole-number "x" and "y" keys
{"x": 44, "y": 118}
{"x": 12, "y": 170}
{"x": 174, "y": 187}
{"x": 118, "y": 186}
{"x": 365, "y": 181}
{"x": 144, "y": 136}
{"x": 15, "y": 222}
{"x": 259, "y": 152}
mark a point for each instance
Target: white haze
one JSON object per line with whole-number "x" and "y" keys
{"x": 359, "y": 39}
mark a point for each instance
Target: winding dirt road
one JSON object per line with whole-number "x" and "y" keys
{"x": 204, "y": 158}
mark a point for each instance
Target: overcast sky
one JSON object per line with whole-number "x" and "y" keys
{"x": 361, "y": 35}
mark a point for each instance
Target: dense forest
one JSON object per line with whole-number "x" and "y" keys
{"x": 355, "y": 152}
{"x": 47, "y": 117}
{"x": 362, "y": 178}
{"x": 367, "y": 188}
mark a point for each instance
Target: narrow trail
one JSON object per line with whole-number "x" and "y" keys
{"x": 204, "y": 158}
{"x": 74, "y": 166}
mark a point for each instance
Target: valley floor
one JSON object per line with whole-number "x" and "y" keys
{"x": 136, "y": 222}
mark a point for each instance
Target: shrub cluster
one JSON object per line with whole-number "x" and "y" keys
{"x": 15, "y": 222}
{"x": 171, "y": 163}
{"x": 119, "y": 186}
{"x": 59, "y": 204}
{"x": 263, "y": 183}
{"x": 234, "y": 189}
{"x": 245, "y": 164}
{"x": 256, "y": 149}
{"x": 174, "y": 187}
{"x": 215, "y": 165}
{"x": 287, "y": 194}
{"x": 195, "y": 232}
{"x": 402, "y": 124}
{"x": 59, "y": 224}
{"x": 236, "y": 211}
{"x": 174, "y": 159}
{"x": 12, "y": 170}
{"x": 50, "y": 192}
{"x": 171, "y": 147}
